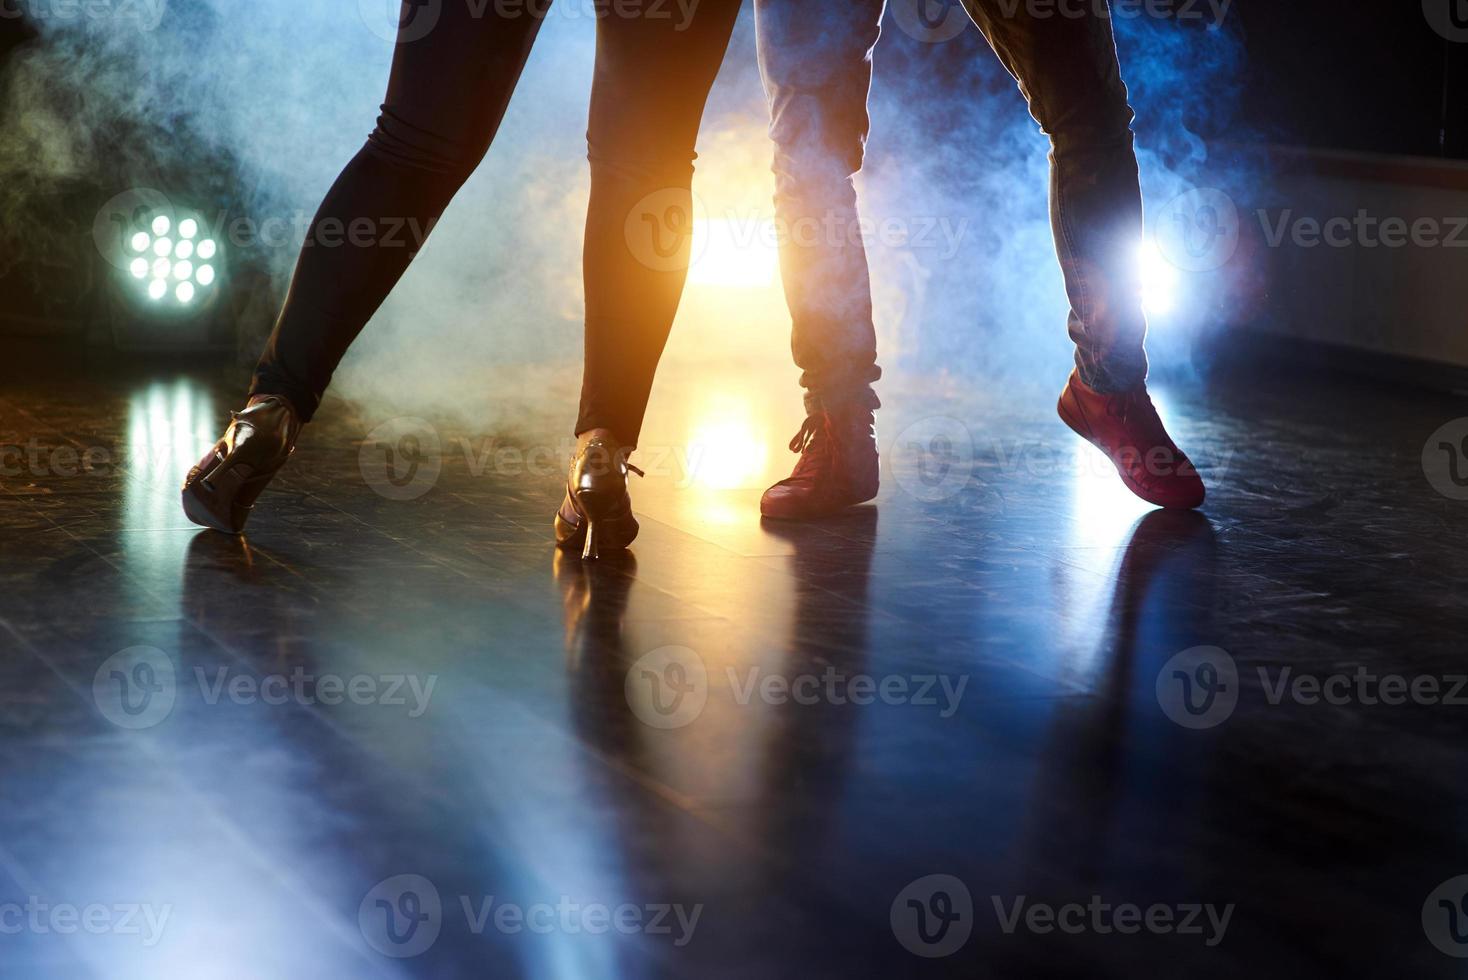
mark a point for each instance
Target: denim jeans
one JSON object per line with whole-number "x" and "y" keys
{"x": 816, "y": 61}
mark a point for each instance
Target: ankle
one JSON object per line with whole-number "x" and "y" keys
{"x": 605, "y": 436}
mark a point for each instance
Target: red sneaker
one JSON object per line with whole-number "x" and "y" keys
{"x": 1127, "y": 429}
{"x": 837, "y": 468}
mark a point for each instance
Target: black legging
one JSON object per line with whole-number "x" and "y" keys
{"x": 445, "y": 99}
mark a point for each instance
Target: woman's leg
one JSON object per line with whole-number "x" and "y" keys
{"x": 445, "y": 98}
{"x": 653, "y": 75}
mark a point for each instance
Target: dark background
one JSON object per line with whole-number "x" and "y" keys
{"x": 1366, "y": 75}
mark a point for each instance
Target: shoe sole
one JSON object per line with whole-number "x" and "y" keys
{"x": 816, "y": 515}
{"x": 209, "y": 500}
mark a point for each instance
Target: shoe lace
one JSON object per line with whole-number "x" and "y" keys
{"x": 597, "y": 445}
{"x": 816, "y": 444}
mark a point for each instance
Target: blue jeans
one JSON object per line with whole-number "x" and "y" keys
{"x": 816, "y": 61}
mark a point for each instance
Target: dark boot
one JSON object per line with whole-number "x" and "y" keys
{"x": 837, "y": 468}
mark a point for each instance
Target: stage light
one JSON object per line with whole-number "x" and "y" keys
{"x": 169, "y": 245}
{"x": 739, "y": 254}
{"x": 1160, "y": 280}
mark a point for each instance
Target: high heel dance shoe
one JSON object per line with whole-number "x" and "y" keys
{"x": 220, "y": 491}
{"x": 596, "y": 515}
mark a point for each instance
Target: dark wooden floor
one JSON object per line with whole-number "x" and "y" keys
{"x": 221, "y": 756}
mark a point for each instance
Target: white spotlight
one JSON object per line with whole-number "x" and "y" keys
{"x": 141, "y": 241}
{"x": 157, "y": 288}
{"x": 185, "y": 292}
{"x": 188, "y": 228}
{"x": 139, "y": 268}
{"x": 205, "y": 274}
{"x": 161, "y": 224}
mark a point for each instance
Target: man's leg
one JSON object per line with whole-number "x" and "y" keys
{"x": 816, "y": 61}
{"x": 1066, "y": 65}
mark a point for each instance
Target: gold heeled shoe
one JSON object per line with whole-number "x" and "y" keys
{"x": 220, "y": 491}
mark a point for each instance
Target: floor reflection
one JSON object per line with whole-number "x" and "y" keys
{"x": 780, "y": 765}
{"x": 1162, "y": 602}
{"x": 530, "y": 776}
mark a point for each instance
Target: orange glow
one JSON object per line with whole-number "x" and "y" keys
{"x": 734, "y": 253}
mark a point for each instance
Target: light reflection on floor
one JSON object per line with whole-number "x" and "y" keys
{"x": 529, "y": 778}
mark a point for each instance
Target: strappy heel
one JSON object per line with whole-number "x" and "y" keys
{"x": 596, "y": 515}
{"x": 221, "y": 490}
